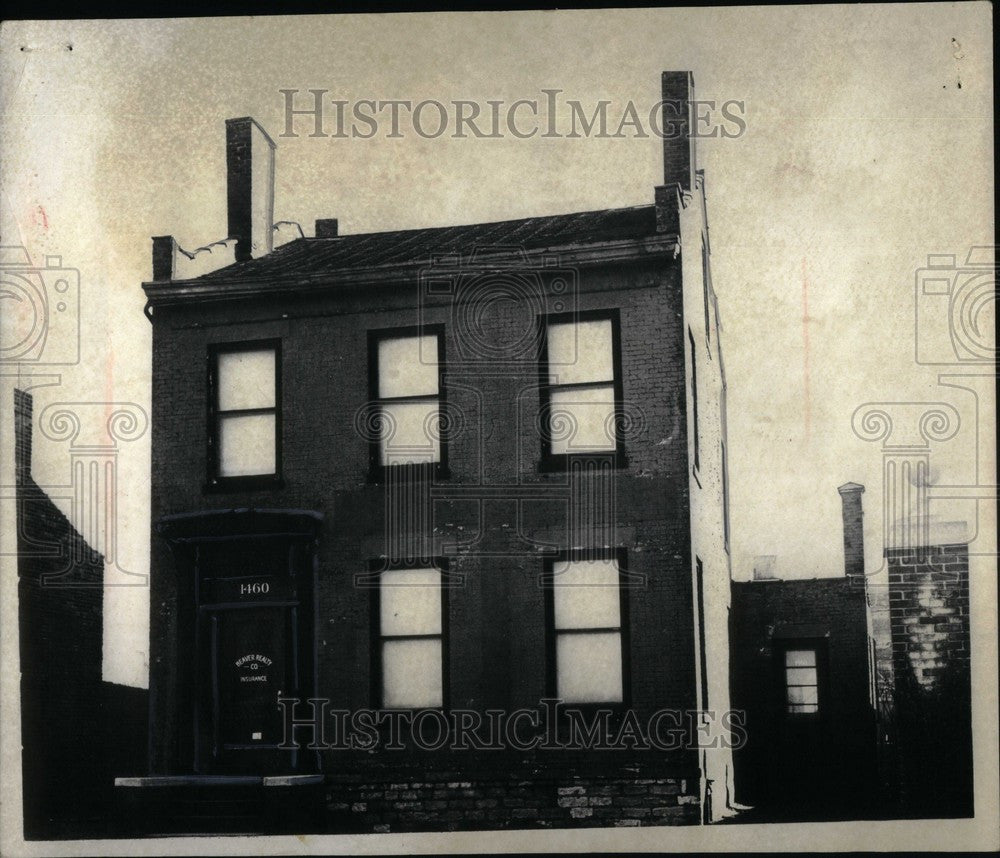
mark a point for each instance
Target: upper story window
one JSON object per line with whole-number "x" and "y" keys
{"x": 411, "y": 638}
{"x": 407, "y": 366}
{"x": 244, "y": 436}
{"x": 581, "y": 390}
{"x": 587, "y": 630}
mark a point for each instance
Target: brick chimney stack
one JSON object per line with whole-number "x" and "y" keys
{"x": 854, "y": 541}
{"x": 678, "y": 144}
{"x": 676, "y": 95}
{"x": 22, "y": 435}
{"x": 250, "y": 187}
{"x": 326, "y": 227}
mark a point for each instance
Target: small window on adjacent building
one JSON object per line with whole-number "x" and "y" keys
{"x": 244, "y": 412}
{"x": 411, "y": 638}
{"x": 801, "y": 681}
{"x": 407, "y": 388}
{"x": 586, "y": 617}
{"x": 581, "y": 391}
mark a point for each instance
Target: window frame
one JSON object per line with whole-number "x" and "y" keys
{"x": 215, "y": 481}
{"x": 546, "y": 580}
{"x": 377, "y": 470}
{"x": 820, "y": 647}
{"x": 376, "y": 568}
{"x": 548, "y": 460}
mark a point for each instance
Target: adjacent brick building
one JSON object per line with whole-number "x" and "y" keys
{"x": 77, "y": 731}
{"x": 803, "y": 671}
{"x": 931, "y": 648}
{"x": 459, "y": 469}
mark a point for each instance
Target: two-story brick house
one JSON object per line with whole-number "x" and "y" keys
{"x": 456, "y": 473}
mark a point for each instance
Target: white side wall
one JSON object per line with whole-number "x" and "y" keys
{"x": 708, "y": 542}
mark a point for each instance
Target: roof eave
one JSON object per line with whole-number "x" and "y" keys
{"x": 588, "y": 255}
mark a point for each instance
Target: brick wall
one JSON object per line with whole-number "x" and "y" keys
{"x": 929, "y": 621}
{"x": 505, "y": 802}
{"x": 496, "y": 617}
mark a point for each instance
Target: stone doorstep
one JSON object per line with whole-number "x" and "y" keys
{"x": 219, "y": 780}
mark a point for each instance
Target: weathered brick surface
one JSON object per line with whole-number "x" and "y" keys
{"x": 541, "y": 802}
{"x": 929, "y": 620}
{"x": 678, "y": 159}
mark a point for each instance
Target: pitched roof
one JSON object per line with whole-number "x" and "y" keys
{"x": 318, "y": 256}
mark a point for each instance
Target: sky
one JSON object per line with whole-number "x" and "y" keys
{"x": 868, "y": 146}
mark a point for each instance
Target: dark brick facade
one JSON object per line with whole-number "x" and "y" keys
{"x": 77, "y": 732}
{"x": 497, "y": 617}
{"x": 805, "y": 767}
{"x": 494, "y": 512}
{"x": 929, "y": 619}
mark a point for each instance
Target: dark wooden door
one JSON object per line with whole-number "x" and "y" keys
{"x": 252, "y": 645}
{"x": 253, "y": 669}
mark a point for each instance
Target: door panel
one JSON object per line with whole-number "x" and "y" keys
{"x": 252, "y": 669}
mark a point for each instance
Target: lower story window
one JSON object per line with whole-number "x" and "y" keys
{"x": 587, "y": 627}
{"x": 411, "y": 638}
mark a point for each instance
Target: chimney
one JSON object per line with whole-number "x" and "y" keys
{"x": 22, "y": 436}
{"x": 326, "y": 227}
{"x": 854, "y": 541}
{"x": 250, "y": 187}
{"x": 763, "y": 567}
{"x": 677, "y": 93}
{"x": 678, "y": 143}
{"x": 164, "y": 250}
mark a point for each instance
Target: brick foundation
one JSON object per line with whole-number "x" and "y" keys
{"x": 499, "y": 803}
